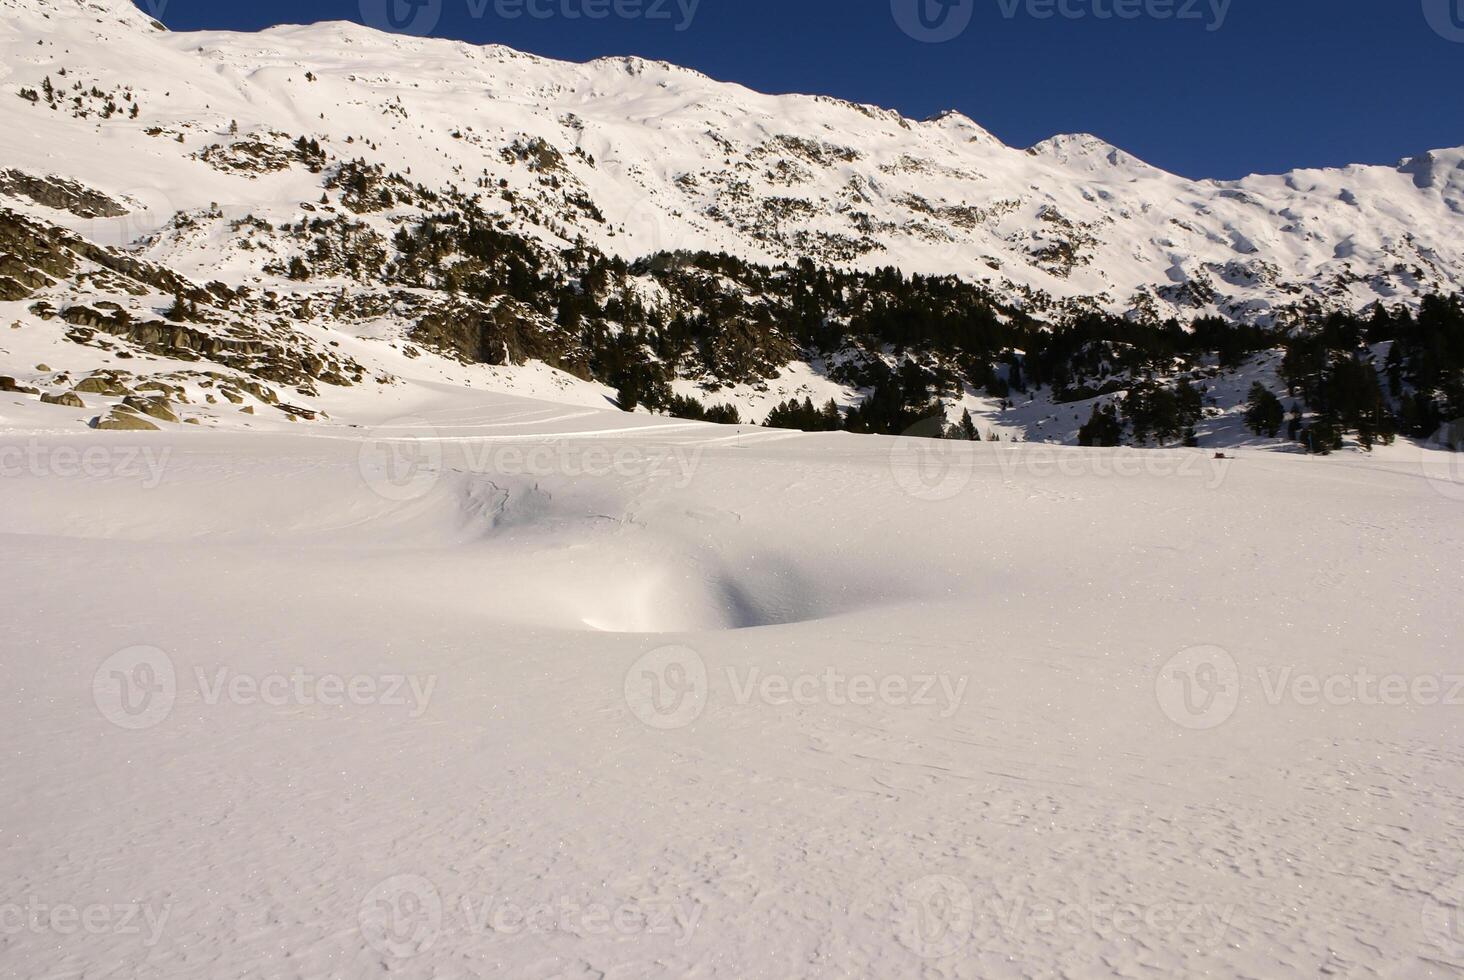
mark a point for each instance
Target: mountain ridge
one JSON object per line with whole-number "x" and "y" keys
{"x": 1080, "y": 223}
{"x": 242, "y": 183}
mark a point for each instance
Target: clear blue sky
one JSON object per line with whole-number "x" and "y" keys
{"x": 1277, "y": 84}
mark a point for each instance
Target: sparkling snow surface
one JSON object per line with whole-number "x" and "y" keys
{"x": 521, "y": 688}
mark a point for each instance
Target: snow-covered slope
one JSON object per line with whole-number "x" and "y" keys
{"x": 635, "y": 156}
{"x": 479, "y": 676}
{"x": 631, "y": 698}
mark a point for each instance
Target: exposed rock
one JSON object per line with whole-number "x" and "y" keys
{"x": 101, "y": 384}
{"x": 65, "y": 398}
{"x": 123, "y": 421}
{"x": 61, "y": 194}
{"x": 158, "y": 408}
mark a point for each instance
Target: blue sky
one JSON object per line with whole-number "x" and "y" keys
{"x": 1206, "y": 88}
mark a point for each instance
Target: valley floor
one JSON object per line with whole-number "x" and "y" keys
{"x": 517, "y": 688}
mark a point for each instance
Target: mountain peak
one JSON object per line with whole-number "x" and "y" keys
{"x": 1088, "y": 152}
{"x": 956, "y": 122}
{"x": 104, "y": 11}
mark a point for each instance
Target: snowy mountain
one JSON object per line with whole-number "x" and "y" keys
{"x": 636, "y": 156}
{"x": 353, "y": 629}
{"x": 239, "y": 199}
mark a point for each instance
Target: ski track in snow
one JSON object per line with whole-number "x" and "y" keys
{"x": 1290, "y": 840}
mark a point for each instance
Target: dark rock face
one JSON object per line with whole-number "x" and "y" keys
{"x": 61, "y": 194}
{"x": 502, "y": 333}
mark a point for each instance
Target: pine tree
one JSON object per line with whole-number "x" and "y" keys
{"x": 967, "y": 428}
{"x": 1264, "y": 414}
{"x": 1102, "y": 428}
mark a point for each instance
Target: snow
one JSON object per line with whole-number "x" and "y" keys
{"x": 478, "y": 676}
{"x": 917, "y": 713}
{"x": 673, "y": 159}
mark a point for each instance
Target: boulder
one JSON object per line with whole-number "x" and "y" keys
{"x": 158, "y": 408}
{"x": 10, "y": 384}
{"x": 123, "y": 421}
{"x": 99, "y": 384}
{"x": 66, "y": 398}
